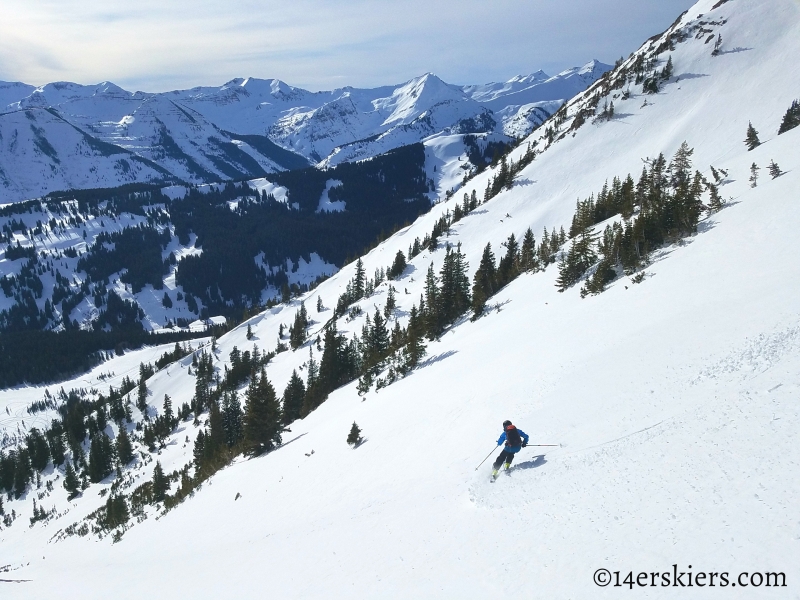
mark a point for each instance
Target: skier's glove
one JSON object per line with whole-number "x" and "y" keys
{"x": 524, "y": 444}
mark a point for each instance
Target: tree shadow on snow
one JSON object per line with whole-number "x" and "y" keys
{"x": 283, "y": 445}
{"x": 535, "y": 462}
{"x": 407, "y": 272}
{"x": 734, "y": 50}
{"x": 437, "y": 358}
{"x": 685, "y": 76}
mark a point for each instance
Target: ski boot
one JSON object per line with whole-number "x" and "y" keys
{"x": 494, "y": 474}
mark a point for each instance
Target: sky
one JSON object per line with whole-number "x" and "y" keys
{"x": 162, "y": 45}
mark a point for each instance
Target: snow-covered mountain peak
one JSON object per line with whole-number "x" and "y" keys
{"x": 592, "y": 69}
{"x": 418, "y": 95}
{"x": 280, "y": 88}
{"x": 539, "y": 75}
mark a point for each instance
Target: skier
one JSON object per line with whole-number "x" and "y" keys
{"x": 515, "y": 440}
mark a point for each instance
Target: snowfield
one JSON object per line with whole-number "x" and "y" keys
{"x": 673, "y": 402}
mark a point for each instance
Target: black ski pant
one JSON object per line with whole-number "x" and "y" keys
{"x": 505, "y": 456}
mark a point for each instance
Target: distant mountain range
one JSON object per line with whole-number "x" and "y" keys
{"x": 69, "y": 136}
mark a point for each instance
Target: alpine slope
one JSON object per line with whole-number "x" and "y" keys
{"x": 673, "y": 399}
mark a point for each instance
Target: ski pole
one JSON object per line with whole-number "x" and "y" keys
{"x": 543, "y": 445}
{"x": 484, "y": 460}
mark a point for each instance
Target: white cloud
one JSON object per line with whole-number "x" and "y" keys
{"x": 318, "y": 44}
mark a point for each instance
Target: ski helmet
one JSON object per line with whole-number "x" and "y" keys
{"x": 506, "y": 423}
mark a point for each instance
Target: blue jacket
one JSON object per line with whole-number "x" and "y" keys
{"x": 513, "y": 449}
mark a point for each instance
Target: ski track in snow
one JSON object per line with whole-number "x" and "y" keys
{"x": 755, "y": 356}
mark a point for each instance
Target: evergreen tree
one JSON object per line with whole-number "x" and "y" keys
{"x": 337, "y": 366}
{"x": 169, "y": 416}
{"x": 141, "y": 398}
{"x": 55, "y": 439}
{"x": 124, "y": 447}
{"x": 116, "y": 511}
{"x": 527, "y": 256}
{"x": 23, "y": 473}
{"x": 484, "y": 281}
{"x": 354, "y": 437}
{"x": 717, "y": 45}
{"x": 38, "y": 450}
{"x": 754, "y": 169}
{"x": 667, "y": 72}
{"x": 232, "y": 418}
{"x": 377, "y": 344}
{"x": 751, "y": 139}
{"x": 681, "y": 167}
{"x": 545, "y": 252}
{"x": 627, "y": 198}
{"x": 249, "y": 334}
{"x": 398, "y": 266}
{"x": 774, "y": 169}
{"x": 715, "y": 203}
{"x": 566, "y": 269}
{"x": 101, "y": 455}
{"x": 202, "y": 393}
{"x": 364, "y": 383}
{"x": 453, "y": 296}
{"x": 398, "y": 337}
{"x": 199, "y": 450}
{"x": 577, "y": 260}
{"x": 359, "y": 281}
{"x": 791, "y": 119}
{"x": 313, "y": 370}
{"x": 431, "y": 314}
{"x": 319, "y": 304}
{"x": 161, "y": 483}
{"x": 462, "y": 298}
{"x": 262, "y": 417}
{"x": 297, "y": 332}
{"x": 391, "y": 302}
{"x": 414, "y": 349}
{"x": 508, "y": 269}
{"x": 71, "y": 482}
{"x": 293, "y": 397}
{"x": 215, "y": 437}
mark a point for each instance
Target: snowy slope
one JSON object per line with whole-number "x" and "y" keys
{"x": 674, "y": 400}
{"x": 41, "y": 152}
{"x": 13, "y": 91}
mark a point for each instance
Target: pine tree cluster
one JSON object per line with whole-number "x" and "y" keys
{"x": 667, "y": 204}
{"x": 297, "y": 332}
{"x": 791, "y": 119}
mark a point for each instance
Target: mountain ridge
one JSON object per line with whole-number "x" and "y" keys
{"x": 198, "y": 135}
